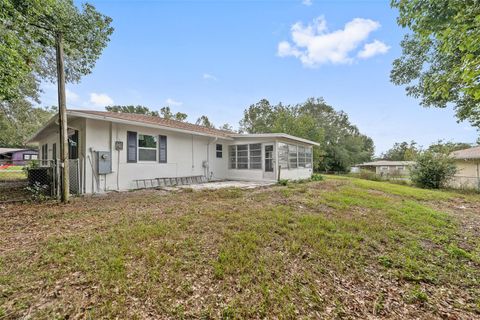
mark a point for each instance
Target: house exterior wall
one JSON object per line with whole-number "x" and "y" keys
{"x": 186, "y": 154}
{"x": 399, "y": 170}
{"x": 468, "y": 174}
{"x": 17, "y": 157}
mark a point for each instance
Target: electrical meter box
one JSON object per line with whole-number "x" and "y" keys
{"x": 104, "y": 162}
{"x": 118, "y": 145}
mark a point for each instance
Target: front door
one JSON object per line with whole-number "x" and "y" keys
{"x": 269, "y": 162}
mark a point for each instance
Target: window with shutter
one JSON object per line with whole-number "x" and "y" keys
{"x": 131, "y": 146}
{"x": 162, "y": 149}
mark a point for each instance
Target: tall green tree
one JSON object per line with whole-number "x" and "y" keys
{"x": 341, "y": 143}
{"x": 28, "y": 31}
{"x": 166, "y": 113}
{"x": 402, "y": 151}
{"x": 204, "y": 121}
{"x": 448, "y": 147}
{"x": 226, "y": 127}
{"x": 138, "y": 109}
{"x": 440, "y": 63}
{"x": 19, "y": 121}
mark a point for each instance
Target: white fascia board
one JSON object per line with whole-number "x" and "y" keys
{"x": 275, "y": 135}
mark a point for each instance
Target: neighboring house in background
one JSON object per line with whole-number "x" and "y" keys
{"x": 115, "y": 150}
{"x": 468, "y": 168}
{"x": 387, "y": 167}
{"x": 17, "y": 156}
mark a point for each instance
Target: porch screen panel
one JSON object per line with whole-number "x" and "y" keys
{"x": 292, "y": 156}
{"x": 283, "y": 155}
{"x": 308, "y": 157}
{"x": 162, "y": 149}
{"x": 232, "y": 157}
{"x": 256, "y": 156}
{"x": 301, "y": 157}
{"x": 131, "y": 146}
{"x": 242, "y": 156}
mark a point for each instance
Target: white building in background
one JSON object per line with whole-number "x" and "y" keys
{"x": 116, "y": 150}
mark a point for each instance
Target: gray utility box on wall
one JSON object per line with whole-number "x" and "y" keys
{"x": 104, "y": 162}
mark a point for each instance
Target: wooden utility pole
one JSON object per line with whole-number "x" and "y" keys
{"x": 62, "y": 119}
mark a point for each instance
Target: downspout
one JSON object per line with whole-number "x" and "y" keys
{"x": 208, "y": 157}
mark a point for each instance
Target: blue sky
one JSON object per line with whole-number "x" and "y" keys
{"x": 218, "y": 57}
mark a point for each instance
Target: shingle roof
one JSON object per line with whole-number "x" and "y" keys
{"x": 8, "y": 150}
{"x": 386, "y": 163}
{"x": 470, "y": 153}
{"x": 158, "y": 121}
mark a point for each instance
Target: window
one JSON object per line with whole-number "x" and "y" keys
{"x": 72, "y": 144}
{"x": 400, "y": 168}
{"x": 147, "y": 148}
{"x": 292, "y": 156}
{"x": 34, "y": 157}
{"x": 283, "y": 155}
{"x": 131, "y": 146}
{"x": 44, "y": 154}
{"x": 54, "y": 151}
{"x": 219, "y": 150}
{"x": 255, "y": 156}
{"x": 162, "y": 150}
{"x": 245, "y": 156}
{"x": 301, "y": 157}
{"x": 384, "y": 168}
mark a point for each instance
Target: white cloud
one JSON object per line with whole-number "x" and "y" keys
{"x": 72, "y": 97}
{"x": 307, "y": 2}
{"x": 171, "y": 102}
{"x": 100, "y": 99}
{"x": 314, "y": 45}
{"x": 372, "y": 49}
{"x": 208, "y": 76}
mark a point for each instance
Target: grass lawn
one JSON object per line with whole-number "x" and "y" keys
{"x": 12, "y": 173}
{"x": 340, "y": 248}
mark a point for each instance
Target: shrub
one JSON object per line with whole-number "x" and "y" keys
{"x": 283, "y": 182}
{"x": 316, "y": 177}
{"x": 366, "y": 174}
{"x": 432, "y": 170}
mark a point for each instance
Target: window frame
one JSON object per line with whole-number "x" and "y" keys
{"x": 147, "y": 148}
{"x": 233, "y": 157}
{"x": 219, "y": 152}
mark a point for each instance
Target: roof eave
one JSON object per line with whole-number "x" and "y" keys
{"x": 142, "y": 124}
{"x": 275, "y": 135}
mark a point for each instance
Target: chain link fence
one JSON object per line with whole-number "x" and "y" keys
{"x": 35, "y": 179}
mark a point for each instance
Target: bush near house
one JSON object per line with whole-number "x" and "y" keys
{"x": 432, "y": 170}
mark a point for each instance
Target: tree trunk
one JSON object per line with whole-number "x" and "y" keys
{"x": 62, "y": 119}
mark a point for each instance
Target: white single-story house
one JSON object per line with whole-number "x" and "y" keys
{"x": 386, "y": 167}
{"x": 468, "y": 168}
{"x": 115, "y": 150}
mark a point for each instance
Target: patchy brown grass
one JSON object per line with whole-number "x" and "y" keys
{"x": 340, "y": 248}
